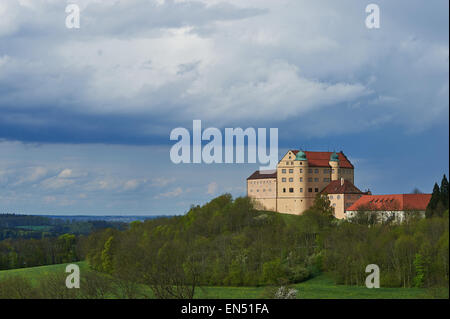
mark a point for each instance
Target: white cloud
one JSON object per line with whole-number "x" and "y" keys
{"x": 56, "y": 183}
{"x": 66, "y": 173}
{"x": 171, "y": 194}
{"x": 212, "y": 188}
{"x": 162, "y": 181}
{"x": 133, "y": 184}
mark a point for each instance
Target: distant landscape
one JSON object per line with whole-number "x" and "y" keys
{"x": 110, "y": 218}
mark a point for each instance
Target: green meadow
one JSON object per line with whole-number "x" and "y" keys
{"x": 320, "y": 287}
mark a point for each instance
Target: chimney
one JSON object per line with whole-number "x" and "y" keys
{"x": 342, "y": 181}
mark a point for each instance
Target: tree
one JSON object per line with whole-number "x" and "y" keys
{"x": 435, "y": 199}
{"x": 419, "y": 265}
{"x": 444, "y": 192}
{"x": 323, "y": 205}
{"x": 174, "y": 273}
{"x": 95, "y": 285}
{"x": 274, "y": 271}
{"x": 320, "y": 213}
{"x": 107, "y": 258}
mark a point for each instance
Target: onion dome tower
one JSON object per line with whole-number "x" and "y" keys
{"x": 334, "y": 163}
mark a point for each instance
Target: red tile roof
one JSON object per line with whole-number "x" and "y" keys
{"x": 335, "y": 187}
{"x": 265, "y": 174}
{"x": 395, "y": 202}
{"x": 322, "y": 159}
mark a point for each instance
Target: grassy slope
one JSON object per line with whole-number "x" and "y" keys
{"x": 34, "y": 273}
{"x": 321, "y": 287}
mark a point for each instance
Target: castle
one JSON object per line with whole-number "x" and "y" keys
{"x": 299, "y": 177}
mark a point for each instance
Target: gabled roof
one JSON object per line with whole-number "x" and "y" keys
{"x": 263, "y": 174}
{"x": 322, "y": 159}
{"x": 394, "y": 202}
{"x": 335, "y": 187}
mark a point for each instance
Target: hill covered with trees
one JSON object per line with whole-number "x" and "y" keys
{"x": 227, "y": 242}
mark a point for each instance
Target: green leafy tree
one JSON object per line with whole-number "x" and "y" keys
{"x": 419, "y": 265}
{"x": 107, "y": 257}
{"x": 274, "y": 272}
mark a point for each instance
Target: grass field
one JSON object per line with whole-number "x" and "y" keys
{"x": 321, "y": 287}
{"x": 34, "y": 273}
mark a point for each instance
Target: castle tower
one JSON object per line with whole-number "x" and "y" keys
{"x": 301, "y": 177}
{"x": 334, "y": 163}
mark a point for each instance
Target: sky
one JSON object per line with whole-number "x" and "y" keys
{"x": 86, "y": 114}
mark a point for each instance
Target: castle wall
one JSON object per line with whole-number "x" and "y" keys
{"x": 263, "y": 192}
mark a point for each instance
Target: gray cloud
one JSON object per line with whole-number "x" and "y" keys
{"x": 153, "y": 64}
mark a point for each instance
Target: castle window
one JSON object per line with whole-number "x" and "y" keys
{"x": 326, "y": 179}
{"x": 310, "y": 170}
{"x": 309, "y": 190}
{"x": 291, "y": 179}
{"x": 301, "y": 190}
{"x": 338, "y": 196}
{"x": 301, "y": 179}
{"x": 301, "y": 169}
{"x": 325, "y": 171}
{"x": 316, "y": 179}
{"x": 316, "y": 190}
{"x": 301, "y": 163}
{"x": 291, "y": 170}
{"x": 283, "y": 179}
{"x": 316, "y": 171}
{"x": 331, "y": 196}
{"x": 291, "y": 190}
{"x": 284, "y": 190}
{"x": 309, "y": 179}
{"x": 283, "y": 171}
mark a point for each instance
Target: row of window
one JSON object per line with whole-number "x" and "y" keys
{"x": 310, "y": 170}
{"x": 251, "y": 191}
{"x": 310, "y": 179}
{"x": 331, "y": 196}
{"x": 262, "y": 182}
{"x": 310, "y": 190}
{"x": 292, "y": 163}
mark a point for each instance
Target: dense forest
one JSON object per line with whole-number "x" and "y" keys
{"x": 27, "y": 241}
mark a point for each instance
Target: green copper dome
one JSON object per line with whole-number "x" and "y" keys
{"x": 301, "y": 156}
{"x": 334, "y": 157}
